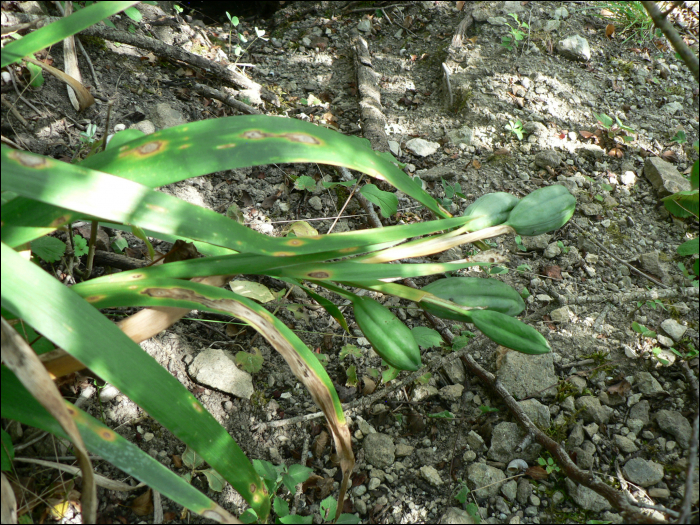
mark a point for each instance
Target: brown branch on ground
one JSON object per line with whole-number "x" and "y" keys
{"x": 228, "y": 74}
{"x": 660, "y": 20}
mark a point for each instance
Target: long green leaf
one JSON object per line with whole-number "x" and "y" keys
{"x": 113, "y": 198}
{"x": 352, "y": 271}
{"x": 146, "y": 291}
{"x": 18, "y": 404}
{"x": 207, "y": 146}
{"x": 72, "y": 324}
{"x": 57, "y": 31}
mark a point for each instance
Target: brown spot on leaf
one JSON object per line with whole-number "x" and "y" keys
{"x": 150, "y": 148}
{"x": 303, "y": 138}
{"x": 30, "y": 161}
{"x": 107, "y": 434}
{"x": 255, "y": 134}
{"x": 59, "y": 221}
{"x": 318, "y": 275}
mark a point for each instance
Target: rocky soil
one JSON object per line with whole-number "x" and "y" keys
{"x": 621, "y": 404}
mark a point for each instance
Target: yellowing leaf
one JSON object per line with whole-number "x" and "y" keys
{"x": 251, "y": 363}
{"x": 301, "y": 229}
{"x": 256, "y": 291}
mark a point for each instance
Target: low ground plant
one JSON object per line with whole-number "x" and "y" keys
{"x": 115, "y": 187}
{"x": 516, "y": 33}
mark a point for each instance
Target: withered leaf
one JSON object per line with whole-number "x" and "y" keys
{"x": 269, "y": 201}
{"x": 553, "y": 272}
{"x": 368, "y": 386}
{"x": 143, "y": 505}
{"x": 621, "y": 388}
{"x": 320, "y": 444}
{"x": 181, "y": 251}
{"x": 537, "y": 473}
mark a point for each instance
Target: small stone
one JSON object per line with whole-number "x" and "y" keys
{"x": 591, "y": 429}
{"x": 379, "y": 449}
{"x": 659, "y": 493}
{"x": 664, "y": 341}
{"x": 551, "y": 251}
{"x": 421, "y": 147}
{"x": 108, "y": 393}
{"x": 561, "y": 315}
{"x": 635, "y": 425}
{"x": 625, "y": 444}
{"x": 431, "y": 475}
{"x": 364, "y": 25}
{"x": 451, "y": 392}
{"x": 423, "y": 392}
{"x": 675, "y": 424}
{"x": 646, "y": 384}
{"x": 469, "y": 456}
{"x": 403, "y": 450}
{"x": 510, "y": 490}
{"x": 674, "y": 329}
{"x": 315, "y": 203}
{"x": 359, "y": 490}
{"x": 643, "y": 472}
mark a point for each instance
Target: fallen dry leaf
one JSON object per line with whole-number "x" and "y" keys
{"x": 320, "y": 444}
{"x": 553, "y": 272}
{"x": 537, "y": 472}
{"x": 143, "y": 505}
{"x": 368, "y": 386}
{"x": 621, "y": 388}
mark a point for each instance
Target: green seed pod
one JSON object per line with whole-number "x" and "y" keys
{"x": 489, "y": 210}
{"x": 542, "y": 211}
{"x": 510, "y": 332}
{"x": 473, "y": 291}
{"x": 391, "y": 339}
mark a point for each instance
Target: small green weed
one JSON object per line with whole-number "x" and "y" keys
{"x": 651, "y": 304}
{"x": 516, "y": 33}
{"x": 643, "y": 330}
{"x": 564, "y": 390}
{"x": 51, "y": 249}
{"x": 242, "y": 38}
{"x": 289, "y": 477}
{"x": 192, "y": 461}
{"x": 548, "y": 464}
{"x": 516, "y": 128}
{"x": 686, "y": 204}
{"x": 629, "y": 17}
{"x": 471, "y": 508}
{"x": 614, "y": 128}
{"x": 462, "y": 340}
{"x": 451, "y": 192}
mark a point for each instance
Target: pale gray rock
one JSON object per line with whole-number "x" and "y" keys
{"x": 379, "y": 449}
{"x": 643, "y": 472}
{"x": 217, "y": 369}
{"x": 675, "y": 424}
